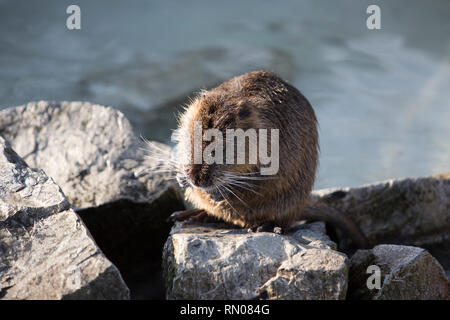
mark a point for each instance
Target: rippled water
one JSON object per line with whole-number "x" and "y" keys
{"x": 382, "y": 97}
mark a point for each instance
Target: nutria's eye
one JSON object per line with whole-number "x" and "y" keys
{"x": 244, "y": 112}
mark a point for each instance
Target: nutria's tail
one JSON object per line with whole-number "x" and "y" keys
{"x": 322, "y": 212}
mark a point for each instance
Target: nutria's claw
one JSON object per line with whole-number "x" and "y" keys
{"x": 202, "y": 216}
{"x": 278, "y": 230}
{"x": 266, "y": 227}
{"x": 184, "y": 215}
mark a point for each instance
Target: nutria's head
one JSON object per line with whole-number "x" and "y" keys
{"x": 210, "y": 115}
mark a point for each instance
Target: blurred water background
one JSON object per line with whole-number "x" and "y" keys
{"x": 382, "y": 97}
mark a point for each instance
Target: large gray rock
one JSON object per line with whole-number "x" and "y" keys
{"x": 209, "y": 261}
{"x": 46, "y": 251}
{"x": 410, "y": 211}
{"x": 405, "y": 273}
{"x": 91, "y": 152}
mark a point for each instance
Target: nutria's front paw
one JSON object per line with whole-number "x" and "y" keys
{"x": 266, "y": 227}
{"x": 184, "y": 215}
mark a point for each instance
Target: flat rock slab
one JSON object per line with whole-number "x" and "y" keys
{"x": 46, "y": 251}
{"x": 406, "y": 273}
{"x": 209, "y": 261}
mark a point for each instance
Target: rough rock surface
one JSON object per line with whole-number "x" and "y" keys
{"x": 92, "y": 154}
{"x": 409, "y": 211}
{"x": 89, "y": 150}
{"x": 46, "y": 251}
{"x": 209, "y": 261}
{"x": 405, "y": 273}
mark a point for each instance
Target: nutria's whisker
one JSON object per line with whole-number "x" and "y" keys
{"x": 240, "y": 184}
{"x": 227, "y": 200}
{"x": 229, "y": 189}
{"x": 151, "y": 170}
{"x": 252, "y": 178}
{"x": 249, "y": 173}
{"x": 162, "y": 157}
{"x": 152, "y": 145}
{"x": 160, "y": 171}
{"x": 241, "y": 173}
{"x": 166, "y": 162}
{"x": 157, "y": 152}
{"x": 171, "y": 178}
{"x": 243, "y": 187}
{"x": 236, "y": 179}
{"x": 245, "y": 175}
{"x": 237, "y": 182}
{"x": 224, "y": 197}
{"x": 158, "y": 157}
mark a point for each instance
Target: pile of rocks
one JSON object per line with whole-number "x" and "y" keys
{"x": 83, "y": 215}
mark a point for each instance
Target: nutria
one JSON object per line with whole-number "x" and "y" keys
{"x": 239, "y": 193}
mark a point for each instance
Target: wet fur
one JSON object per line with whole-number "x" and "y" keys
{"x": 257, "y": 100}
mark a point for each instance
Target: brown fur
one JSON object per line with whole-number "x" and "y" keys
{"x": 260, "y": 100}
{"x": 257, "y": 99}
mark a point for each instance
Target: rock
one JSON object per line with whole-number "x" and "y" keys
{"x": 92, "y": 153}
{"x": 410, "y": 211}
{"x": 89, "y": 150}
{"x": 46, "y": 252}
{"x": 209, "y": 261}
{"x": 405, "y": 273}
